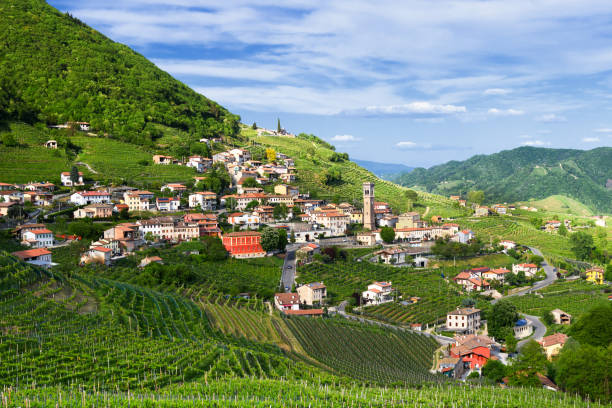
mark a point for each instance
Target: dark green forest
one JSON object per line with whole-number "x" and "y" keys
{"x": 522, "y": 174}
{"x": 54, "y": 69}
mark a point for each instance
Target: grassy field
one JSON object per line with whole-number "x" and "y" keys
{"x": 561, "y": 205}
{"x": 492, "y": 261}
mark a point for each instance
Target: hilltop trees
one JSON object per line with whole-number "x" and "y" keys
{"x": 582, "y": 245}
{"x": 476, "y": 196}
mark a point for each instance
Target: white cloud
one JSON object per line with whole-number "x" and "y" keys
{"x": 497, "y": 91}
{"x": 535, "y": 143}
{"x": 406, "y": 145}
{"x": 524, "y": 137}
{"x": 551, "y": 117}
{"x": 345, "y": 138}
{"x": 590, "y": 139}
{"x": 603, "y": 130}
{"x": 505, "y": 112}
{"x": 413, "y": 108}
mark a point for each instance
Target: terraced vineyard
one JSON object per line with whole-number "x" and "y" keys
{"x": 573, "y": 297}
{"x": 250, "y": 319}
{"x": 367, "y": 352}
{"x": 343, "y": 279}
{"x": 521, "y": 231}
{"x": 133, "y": 337}
{"x": 258, "y": 393}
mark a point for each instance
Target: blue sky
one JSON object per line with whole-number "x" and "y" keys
{"x": 415, "y": 82}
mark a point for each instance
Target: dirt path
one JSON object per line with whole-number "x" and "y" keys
{"x": 86, "y": 165}
{"x": 426, "y": 212}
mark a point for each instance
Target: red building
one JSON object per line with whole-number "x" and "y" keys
{"x": 244, "y": 244}
{"x": 475, "y": 350}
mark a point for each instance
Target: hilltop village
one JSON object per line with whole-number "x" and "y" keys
{"x": 262, "y": 213}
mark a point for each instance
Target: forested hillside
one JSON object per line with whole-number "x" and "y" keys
{"x": 522, "y": 174}
{"x": 54, "y": 68}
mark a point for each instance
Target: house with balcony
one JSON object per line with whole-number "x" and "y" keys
{"x": 378, "y": 293}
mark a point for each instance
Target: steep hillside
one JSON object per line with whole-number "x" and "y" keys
{"x": 315, "y": 159}
{"x": 524, "y": 173}
{"x": 54, "y": 68}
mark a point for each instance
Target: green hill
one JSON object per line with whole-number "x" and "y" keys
{"x": 54, "y": 68}
{"x": 524, "y": 174}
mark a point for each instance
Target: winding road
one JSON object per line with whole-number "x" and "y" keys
{"x": 539, "y": 329}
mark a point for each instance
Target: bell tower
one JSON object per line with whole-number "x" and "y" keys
{"x": 369, "y": 219}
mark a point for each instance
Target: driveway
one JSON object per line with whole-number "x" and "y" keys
{"x": 539, "y": 330}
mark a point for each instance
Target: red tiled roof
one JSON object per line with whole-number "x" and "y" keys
{"x": 557, "y": 338}
{"x": 41, "y": 231}
{"x": 243, "y": 234}
{"x": 31, "y": 253}
{"x": 287, "y": 298}
{"x": 101, "y": 249}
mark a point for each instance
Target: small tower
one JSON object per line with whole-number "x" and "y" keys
{"x": 369, "y": 220}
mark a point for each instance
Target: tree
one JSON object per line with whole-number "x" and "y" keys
{"x": 411, "y": 195}
{"x": 608, "y": 274}
{"x": 582, "y": 245}
{"x": 280, "y": 212}
{"x": 332, "y": 176}
{"x": 387, "y": 234}
{"x": 74, "y": 175}
{"x": 548, "y": 318}
{"x": 494, "y": 370}
{"x": 511, "y": 341}
{"x": 292, "y": 237}
{"x": 503, "y": 314}
{"x": 254, "y": 127}
{"x": 9, "y": 140}
{"x": 530, "y": 362}
{"x": 269, "y": 239}
{"x": 250, "y": 182}
{"x": 594, "y": 327}
{"x": 14, "y": 211}
{"x": 231, "y": 203}
{"x": 270, "y": 154}
{"x": 562, "y": 229}
{"x": 468, "y": 302}
{"x": 585, "y": 370}
{"x": 476, "y": 196}
{"x": 282, "y": 239}
{"x": 278, "y": 125}
{"x": 124, "y": 214}
{"x": 251, "y": 205}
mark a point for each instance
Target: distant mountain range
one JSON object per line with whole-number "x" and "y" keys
{"x": 522, "y": 174}
{"x": 385, "y": 171}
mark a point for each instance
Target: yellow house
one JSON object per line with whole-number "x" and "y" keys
{"x": 553, "y": 344}
{"x": 595, "y": 275}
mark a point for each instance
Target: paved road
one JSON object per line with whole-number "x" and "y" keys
{"x": 551, "y": 276}
{"x": 539, "y": 330}
{"x": 288, "y": 275}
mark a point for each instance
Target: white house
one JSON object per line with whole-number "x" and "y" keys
{"x": 508, "y": 244}
{"x": 90, "y": 197}
{"x": 244, "y": 219}
{"x": 463, "y": 320}
{"x": 465, "y": 236}
{"x": 287, "y": 301}
{"x": 529, "y": 269}
{"x": 199, "y": 163}
{"x": 393, "y": 255}
{"x": 174, "y": 187}
{"x": 98, "y": 254}
{"x": 38, "y": 238}
{"x": 67, "y": 181}
{"x": 38, "y": 256}
{"x": 167, "y": 203}
{"x": 240, "y": 155}
{"x": 377, "y": 293}
{"x": 207, "y": 200}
